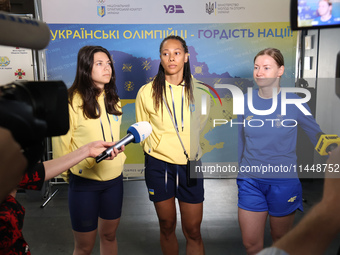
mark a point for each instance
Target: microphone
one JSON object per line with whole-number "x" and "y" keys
{"x": 326, "y": 143}
{"x": 23, "y": 32}
{"x": 135, "y": 133}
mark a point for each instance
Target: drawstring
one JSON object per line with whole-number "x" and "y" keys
{"x": 110, "y": 126}
{"x": 101, "y": 124}
{"x": 166, "y": 177}
{"x": 182, "y": 108}
{"x": 177, "y": 178}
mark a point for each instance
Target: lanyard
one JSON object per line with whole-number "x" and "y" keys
{"x": 173, "y": 107}
{"x": 101, "y": 124}
{"x": 175, "y": 124}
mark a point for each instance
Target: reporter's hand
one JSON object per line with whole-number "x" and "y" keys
{"x": 13, "y": 163}
{"x": 115, "y": 152}
{"x": 97, "y": 147}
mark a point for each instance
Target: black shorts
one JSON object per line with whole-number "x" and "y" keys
{"x": 165, "y": 180}
{"x": 90, "y": 199}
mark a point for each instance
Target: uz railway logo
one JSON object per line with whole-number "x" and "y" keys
{"x": 173, "y": 8}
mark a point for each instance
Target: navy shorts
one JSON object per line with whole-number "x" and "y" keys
{"x": 278, "y": 199}
{"x": 90, "y": 199}
{"x": 165, "y": 180}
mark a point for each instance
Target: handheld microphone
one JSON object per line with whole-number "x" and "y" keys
{"x": 23, "y": 32}
{"x": 135, "y": 133}
{"x": 326, "y": 143}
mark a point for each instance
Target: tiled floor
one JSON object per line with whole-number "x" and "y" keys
{"x": 48, "y": 229}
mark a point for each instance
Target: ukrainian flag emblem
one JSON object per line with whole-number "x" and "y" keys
{"x": 151, "y": 192}
{"x": 115, "y": 118}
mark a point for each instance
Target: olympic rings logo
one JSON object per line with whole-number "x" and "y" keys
{"x": 100, "y": 1}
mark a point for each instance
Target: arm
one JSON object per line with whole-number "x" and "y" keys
{"x": 241, "y": 140}
{"x": 56, "y": 166}
{"x": 320, "y": 226}
{"x": 309, "y": 125}
{"x": 35, "y": 176}
{"x": 13, "y": 163}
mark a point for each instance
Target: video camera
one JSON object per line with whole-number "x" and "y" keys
{"x": 33, "y": 111}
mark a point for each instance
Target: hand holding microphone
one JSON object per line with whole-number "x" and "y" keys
{"x": 135, "y": 133}
{"x": 326, "y": 143}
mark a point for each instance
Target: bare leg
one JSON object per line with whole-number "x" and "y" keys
{"x": 252, "y": 226}
{"x": 84, "y": 242}
{"x": 191, "y": 217}
{"x": 279, "y": 226}
{"x": 166, "y": 212}
{"x": 107, "y": 233}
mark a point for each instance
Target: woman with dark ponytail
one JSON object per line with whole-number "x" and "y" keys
{"x": 168, "y": 104}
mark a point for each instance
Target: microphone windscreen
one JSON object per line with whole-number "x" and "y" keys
{"x": 140, "y": 131}
{"x": 23, "y": 32}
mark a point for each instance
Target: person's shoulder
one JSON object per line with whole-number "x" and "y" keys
{"x": 317, "y": 19}
{"x": 254, "y": 93}
{"x": 76, "y": 98}
{"x": 76, "y": 104}
{"x": 195, "y": 82}
{"x": 145, "y": 88}
{"x": 292, "y": 95}
{"x": 199, "y": 89}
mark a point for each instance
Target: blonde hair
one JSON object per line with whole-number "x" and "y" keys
{"x": 274, "y": 53}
